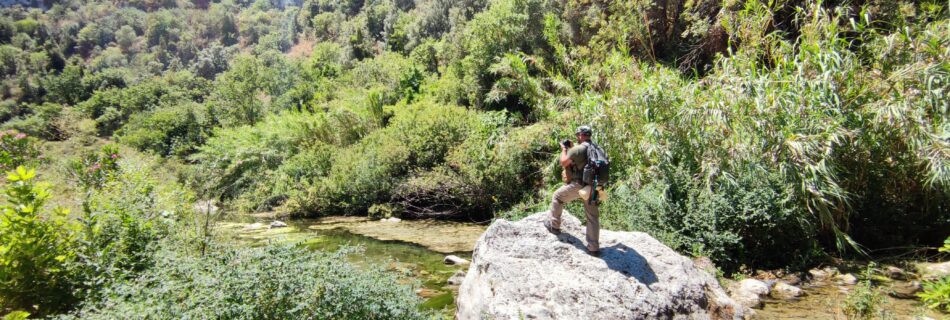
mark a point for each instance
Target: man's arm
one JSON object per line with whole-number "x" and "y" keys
{"x": 565, "y": 160}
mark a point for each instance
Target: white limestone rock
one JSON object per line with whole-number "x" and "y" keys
{"x": 750, "y": 292}
{"x": 782, "y": 290}
{"x": 521, "y": 271}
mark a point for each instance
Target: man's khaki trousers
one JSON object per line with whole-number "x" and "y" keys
{"x": 568, "y": 193}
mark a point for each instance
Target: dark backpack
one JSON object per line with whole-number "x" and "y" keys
{"x": 597, "y": 169}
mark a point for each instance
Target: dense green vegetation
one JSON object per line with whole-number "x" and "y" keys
{"x": 759, "y": 133}
{"x": 138, "y": 249}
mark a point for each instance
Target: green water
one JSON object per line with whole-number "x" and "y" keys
{"x": 414, "y": 263}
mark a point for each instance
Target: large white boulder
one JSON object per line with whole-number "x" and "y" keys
{"x": 520, "y": 270}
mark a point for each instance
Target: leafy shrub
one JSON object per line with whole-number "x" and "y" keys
{"x": 8, "y": 55}
{"x": 42, "y": 122}
{"x": 211, "y": 61}
{"x": 111, "y": 108}
{"x": 503, "y": 163}
{"x": 121, "y": 222}
{"x": 864, "y": 302}
{"x": 67, "y": 87}
{"x": 936, "y": 294}
{"x": 242, "y": 162}
{"x": 244, "y": 93}
{"x": 506, "y": 26}
{"x": 746, "y": 218}
{"x": 94, "y": 169}
{"x": 170, "y": 131}
{"x": 36, "y": 248}
{"x": 9, "y": 109}
{"x": 267, "y": 282}
{"x": 17, "y": 315}
{"x": 418, "y": 136}
{"x": 326, "y": 60}
{"x": 16, "y": 149}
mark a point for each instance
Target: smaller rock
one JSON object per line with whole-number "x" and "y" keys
{"x": 765, "y": 275}
{"x": 848, "y": 279}
{"x": 277, "y": 224}
{"x": 818, "y": 274}
{"x": 749, "y": 292}
{"x": 933, "y": 271}
{"x": 895, "y": 273}
{"x": 455, "y": 260}
{"x": 905, "y": 290}
{"x": 792, "y": 279}
{"x": 832, "y": 271}
{"x": 457, "y": 278}
{"x": 783, "y": 290}
{"x": 391, "y": 219}
{"x": 754, "y": 286}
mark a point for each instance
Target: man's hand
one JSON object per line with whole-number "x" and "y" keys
{"x": 566, "y": 144}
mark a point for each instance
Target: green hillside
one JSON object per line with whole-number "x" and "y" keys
{"x": 760, "y": 133}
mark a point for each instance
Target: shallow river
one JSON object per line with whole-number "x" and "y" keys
{"x": 415, "y": 249}
{"x": 823, "y": 300}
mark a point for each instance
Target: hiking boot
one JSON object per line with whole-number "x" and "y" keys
{"x": 551, "y": 228}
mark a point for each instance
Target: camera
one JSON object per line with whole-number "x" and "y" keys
{"x": 567, "y": 143}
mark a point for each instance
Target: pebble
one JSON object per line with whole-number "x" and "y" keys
{"x": 895, "y": 273}
{"x": 455, "y": 260}
{"x": 786, "y": 291}
{"x": 848, "y": 279}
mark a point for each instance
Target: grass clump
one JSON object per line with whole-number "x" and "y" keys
{"x": 936, "y": 294}
{"x": 266, "y": 282}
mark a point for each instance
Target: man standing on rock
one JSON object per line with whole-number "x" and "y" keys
{"x": 573, "y": 159}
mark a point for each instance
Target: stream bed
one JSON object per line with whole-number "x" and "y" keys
{"x": 824, "y": 300}
{"x": 414, "y": 249}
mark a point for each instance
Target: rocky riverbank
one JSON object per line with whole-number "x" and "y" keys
{"x": 424, "y": 251}
{"x": 823, "y": 293}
